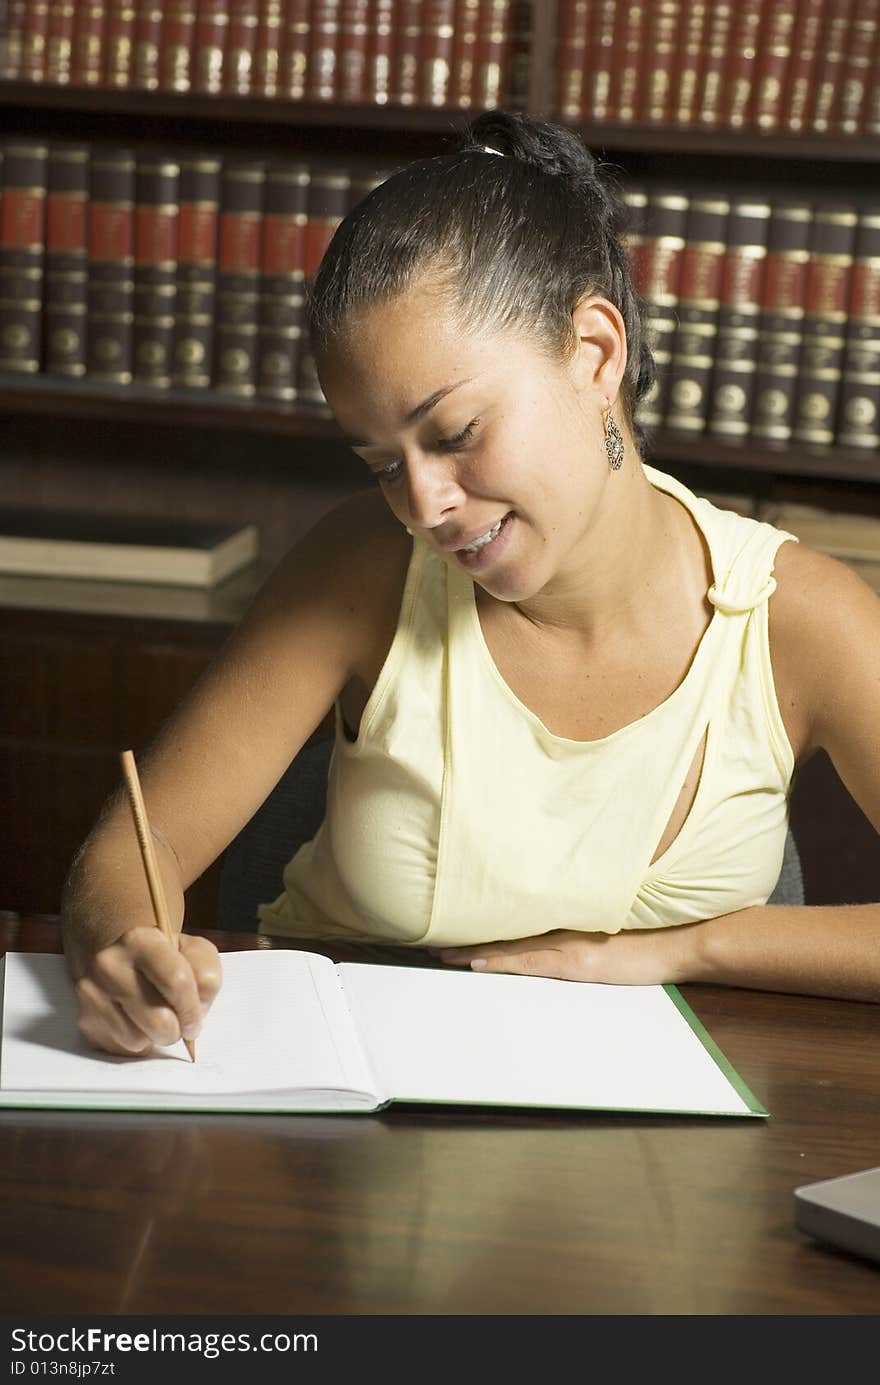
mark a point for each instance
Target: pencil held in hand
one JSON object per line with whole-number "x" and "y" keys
{"x": 148, "y": 856}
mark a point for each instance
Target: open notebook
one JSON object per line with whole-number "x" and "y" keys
{"x": 292, "y": 1031}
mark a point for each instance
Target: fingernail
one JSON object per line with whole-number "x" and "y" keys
{"x": 479, "y": 964}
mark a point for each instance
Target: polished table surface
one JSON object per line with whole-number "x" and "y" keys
{"x": 445, "y": 1211}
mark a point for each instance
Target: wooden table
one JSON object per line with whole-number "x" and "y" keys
{"x": 455, "y": 1212}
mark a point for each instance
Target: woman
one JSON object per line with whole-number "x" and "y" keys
{"x": 570, "y": 696}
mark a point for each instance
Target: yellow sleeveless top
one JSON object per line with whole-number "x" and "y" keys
{"x": 457, "y": 817}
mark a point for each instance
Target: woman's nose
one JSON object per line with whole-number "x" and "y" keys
{"x": 432, "y": 492}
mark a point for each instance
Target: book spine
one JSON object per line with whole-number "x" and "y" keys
{"x": 354, "y": 32}
{"x": 110, "y": 317}
{"x": 736, "y": 351}
{"x": 407, "y": 53}
{"x": 119, "y": 43}
{"x": 657, "y": 259}
{"x": 241, "y": 45}
{"x": 157, "y": 212}
{"x": 295, "y": 49}
{"x": 600, "y": 57}
{"x": 282, "y": 290}
{"x": 848, "y": 110}
{"x": 242, "y": 190}
{"x": 89, "y": 40}
{"x": 209, "y": 45}
{"x": 860, "y": 387}
{"x": 176, "y": 48}
{"x": 662, "y": 40}
{"x": 12, "y": 56}
{"x": 147, "y": 42}
{"x": 739, "y": 69}
{"x": 59, "y": 41}
{"x": 22, "y": 247}
{"x": 712, "y": 84}
{"x": 197, "y": 241}
{"x": 323, "y": 55}
{"x": 66, "y": 266}
{"x": 267, "y": 51}
{"x": 688, "y": 69}
{"x": 382, "y": 24}
{"x": 772, "y": 63}
{"x": 804, "y": 54}
{"x": 693, "y": 351}
{"x": 519, "y": 63}
{"x": 491, "y": 59}
{"x": 571, "y": 55}
{"x": 35, "y": 32}
{"x": 436, "y": 53}
{"x": 780, "y": 326}
{"x": 871, "y": 118}
{"x": 820, "y": 368}
{"x": 829, "y": 64}
{"x": 328, "y": 200}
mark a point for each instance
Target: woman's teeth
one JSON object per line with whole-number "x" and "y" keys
{"x": 484, "y": 539}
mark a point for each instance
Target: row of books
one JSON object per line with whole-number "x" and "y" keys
{"x": 763, "y": 313}
{"x": 791, "y": 66}
{"x": 458, "y": 53}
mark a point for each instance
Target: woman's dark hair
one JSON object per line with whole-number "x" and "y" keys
{"x": 517, "y": 241}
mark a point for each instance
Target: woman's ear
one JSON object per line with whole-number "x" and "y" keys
{"x": 599, "y": 360}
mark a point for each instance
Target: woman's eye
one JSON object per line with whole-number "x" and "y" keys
{"x": 388, "y": 473}
{"x": 450, "y": 444}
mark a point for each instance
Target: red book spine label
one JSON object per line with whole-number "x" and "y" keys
{"x": 23, "y": 212}
{"x": 381, "y": 27}
{"x": 772, "y": 63}
{"x": 66, "y": 223}
{"x": 829, "y": 64}
{"x": 197, "y": 234}
{"x": 323, "y": 50}
{"x": 804, "y": 52}
{"x": 59, "y": 41}
{"x": 111, "y": 232}
{"x": 119, "y": 43}
{"x": 155, "y": 235}
{"x": 352, "y": 77}
{"x": 296, "y": 49}
{"x": 438, "y": 35}
{"x": 240, "y": 242}
{"x": 241, "y": 46}
{"x": 35, "y": 32}
{"x": 493, "y": 52}
{"x": 661, "y": 47}
{"x": 284, "y": 245}
{"x": 147, "y": 38}
{"x": 88, "y": 43}
{"x": 209, "y": 44}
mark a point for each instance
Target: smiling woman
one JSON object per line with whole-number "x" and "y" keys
{"x": 570, "y": 695}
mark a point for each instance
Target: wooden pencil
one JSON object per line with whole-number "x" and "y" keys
{"x": 148, "y": 856}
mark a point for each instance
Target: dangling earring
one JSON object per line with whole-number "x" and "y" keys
{"x": 613, "y": 441}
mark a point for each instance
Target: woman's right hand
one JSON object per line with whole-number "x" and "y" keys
{"x": 144, "y": 990}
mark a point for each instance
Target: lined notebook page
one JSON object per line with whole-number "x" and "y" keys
{"x": 279, "y": 1024}
{"x": 436, "y": 1035}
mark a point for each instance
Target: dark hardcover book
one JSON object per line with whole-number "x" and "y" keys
{"x": 859, "y": 422}
{"x": 157, "y": 214}
{"x": 148, "y": 16}
{"x": 572, "y": 48}
{"x": 210, "y": 38}
{"x": 177, "y": 45}
{"x": 197, "y": 241}
{"x": 435, "y": 61}
{"x": 694, "y": 344}
{"x": 89, "y": 37}
{"x": 381, "y": 29}
{"x": 492, "y": 55}
{"x": 820, "y": 368}
{"x": 688, "y": 68}
{"x": 11, "y": 49}
{"x": 322, "y": 65}
{"x": 860, "y": 56}
{"x": 353, "y": 81}
{"x": 67, "y": 261}
{"x": 59, "y": 41}
{"x": 123, "y": 548}
{"x": 119, "y": 43}
{"x": 802, "y": 65}
{"x": 22, "y": 247}
{"x": 110, "y": 318}
{"x": 712, "y": 82}
{"x": 740, "y": 65}
{"x": 242, "y": 192}
{"x": 604, "y": 19}
{"x": 267, "y": 54}
{"x": 736, "y": 350}
{"x": 658, "y": 257}
{"x": 829, "y": 64}
{"x": 407, "y": 53}
{"x": 282, "y": 288}
{"x": 296, "y": 42}
{"x": 781, "y": 323}
{"x": 241, "y": 47}
{"x": 662, "y": 38}
{"x": 772, "y": 63}
{"x": 519, "y": 63}
{"x": 328, "y": 201}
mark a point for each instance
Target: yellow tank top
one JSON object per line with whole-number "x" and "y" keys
{"x": 457, "y": 817}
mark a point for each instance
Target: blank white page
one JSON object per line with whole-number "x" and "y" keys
{"x": 453, "y": 1036}
{"x": 279, "y": 1025}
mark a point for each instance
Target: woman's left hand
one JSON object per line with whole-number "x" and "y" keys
{"x": 643, "y": 957}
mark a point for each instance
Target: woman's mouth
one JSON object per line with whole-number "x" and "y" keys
{"x": 488, "y": 546}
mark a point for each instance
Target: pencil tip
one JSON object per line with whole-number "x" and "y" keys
{"x": 190, "y": 1048}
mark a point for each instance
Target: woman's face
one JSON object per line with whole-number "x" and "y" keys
{"x": 483, "y": 446}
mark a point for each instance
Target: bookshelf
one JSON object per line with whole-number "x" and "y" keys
{"x": 281, "y": 463}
